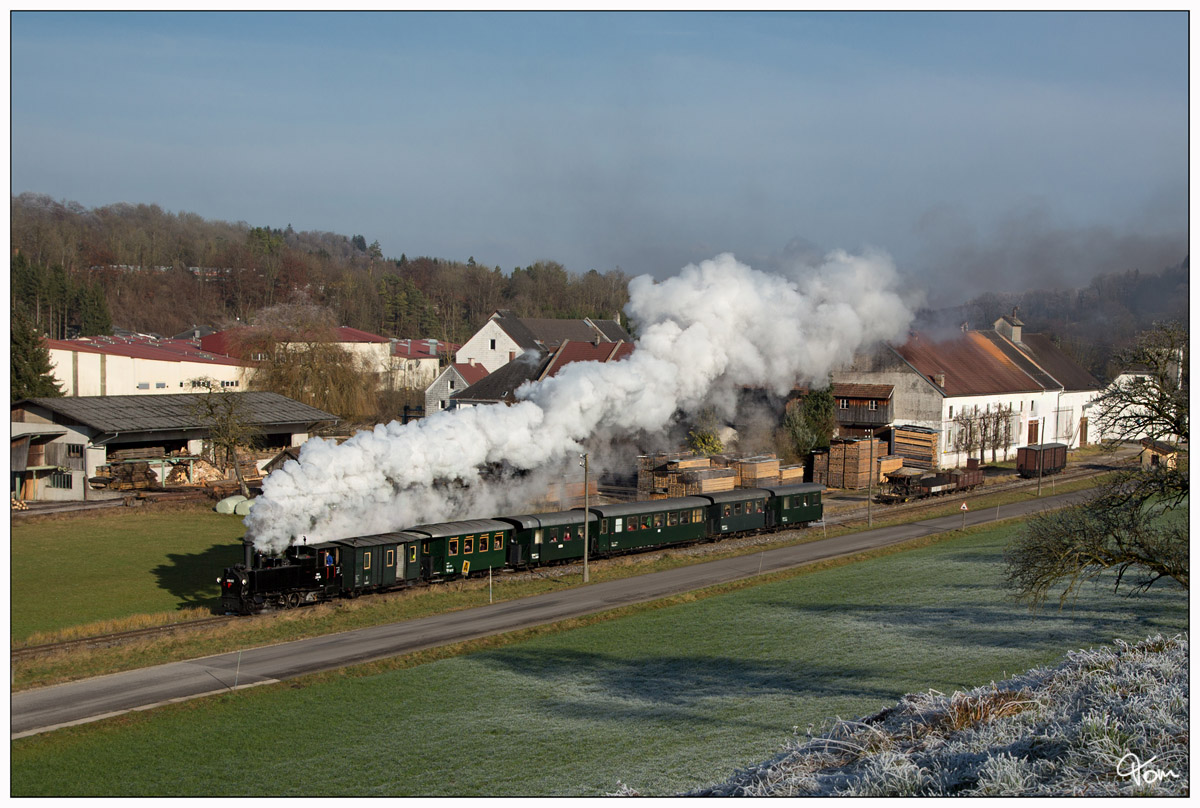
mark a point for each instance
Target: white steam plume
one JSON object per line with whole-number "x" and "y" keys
{"x": 711, "y": 330}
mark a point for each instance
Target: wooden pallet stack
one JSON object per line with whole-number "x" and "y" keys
{"x": 917, "y": 445}
{"x": 701, "y": 481}
{"x": 755, "y": 472}
{"x": 789, "y": 475}
{"x": 848, "y": 463}
{"x": 888, "y": 464}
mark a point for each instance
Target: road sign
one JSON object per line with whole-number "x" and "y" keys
{"x": 964, "y": 507}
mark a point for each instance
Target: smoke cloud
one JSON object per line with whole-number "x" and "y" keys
{"x": 716, "y": 327}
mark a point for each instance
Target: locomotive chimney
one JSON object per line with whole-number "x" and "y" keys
{"x": 248, "y": 547}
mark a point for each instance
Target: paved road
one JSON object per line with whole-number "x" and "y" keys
{"x": 88, "y": 700}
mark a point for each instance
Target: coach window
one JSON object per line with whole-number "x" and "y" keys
{"x": 658, "y": 520}
{"x": 672, "y": 519}
{"x": 698, "y": 515}
{"x": 498, "y": 544}
{"x": 758, "y": 506}
{"x": 391, "y": 558}
{"x": 468, "y": 545}
{"x": 727, "y": 510}
{"x": 537, "y": 536}
{"x": 685, "y": 518}
{"x": 366, "y": 561}
{"x": 454, "y": 547}
{"x": 603, "y": 525}
{"x": 646, "y": 522}
{"x": 737, "y": 509}
{"x": 412, "y": 553}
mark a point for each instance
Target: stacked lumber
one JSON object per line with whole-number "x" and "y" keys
{"x": 917, "y": 445}
{"x": 887, "y": 464}
{"x": 136, "y": 454}
{"x": 655, "y": 471}
{"x": 18, "y": 505}
{"x": 754, "y": 472}
{"x": 821, "y": 466}
{"x": 134, "y": 476}
{"x": 849, "y": 462}
{"x": 791, "y": 474}
{"x": 701, "y": 481}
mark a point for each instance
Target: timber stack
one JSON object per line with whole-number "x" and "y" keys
{"x": 847, "y": 464}
{"x": 917, "y": 445}
{"x": 755, "y": 472}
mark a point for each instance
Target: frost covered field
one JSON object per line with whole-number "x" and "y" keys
{"x": 666, "y": 700}
{"x": 1107, "y": 722}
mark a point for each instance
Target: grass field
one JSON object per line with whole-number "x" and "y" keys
{"x": 666, "y": 700}
{"x": 66, "y": 572}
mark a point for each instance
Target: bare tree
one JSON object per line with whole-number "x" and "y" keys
{"x": 229, "y": 427}
{"x": 1152, "y": 401}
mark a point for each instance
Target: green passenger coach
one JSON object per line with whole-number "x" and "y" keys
{"x": 635, "y": 525}
{"x": 453, "y": 549}
{"x": 736, "y": 511}
{"x": 544, "y": 538}
{"x": 796, "y": 504}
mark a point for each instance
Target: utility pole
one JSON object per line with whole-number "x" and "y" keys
{"x": 586, "y": 514}
{"x": 1041, "y": 453}
{"x": 870, "y": 475}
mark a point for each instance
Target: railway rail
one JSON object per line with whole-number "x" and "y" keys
{"x": 840, "y": 516}
{"x": 117, "y": 638}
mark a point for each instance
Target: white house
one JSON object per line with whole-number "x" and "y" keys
{"x": 1035, "y": 392}
{"x": 505, "y": 336}
{"x": 453, "y": 379}
{"x": 415, "y": 362}
{"x": 139, "y": 365}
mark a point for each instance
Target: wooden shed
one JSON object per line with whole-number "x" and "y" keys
{"x": 1156, "y": 453}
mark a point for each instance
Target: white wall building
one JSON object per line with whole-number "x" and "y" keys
{"x": 505, "y": 336}
{"x": 120, "y": 366}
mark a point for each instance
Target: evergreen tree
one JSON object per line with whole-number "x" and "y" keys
{"x": 30, "y": 375}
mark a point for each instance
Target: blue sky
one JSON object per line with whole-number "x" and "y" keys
{"x": 979, "y": 150}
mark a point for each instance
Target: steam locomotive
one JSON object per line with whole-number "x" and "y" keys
{"x": 347, "y": 568}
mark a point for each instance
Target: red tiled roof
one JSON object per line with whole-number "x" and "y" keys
{"x": 973, "y": 365}
{"x": 160, "y": 350}
{"x": 850, "y": 390}
{"x": 348, "y": 334}
{"x": 570, "y": 352}
{"x": 470, "y": 373}
{"x": 420, "y": 349}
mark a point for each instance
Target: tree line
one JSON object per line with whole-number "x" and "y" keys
{"x": 162, "y": 272}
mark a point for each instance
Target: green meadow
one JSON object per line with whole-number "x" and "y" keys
{"x": 667, "y": 699}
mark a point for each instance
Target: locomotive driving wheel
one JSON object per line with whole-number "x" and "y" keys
{"x": 293, "y": 600}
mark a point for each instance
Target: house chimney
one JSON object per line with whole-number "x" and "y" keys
{"x": 939, "y": 379}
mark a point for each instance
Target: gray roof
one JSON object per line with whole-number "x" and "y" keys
{"x": 544, "y": 334}
{"x": 174, "y": 412}
{"x": 500, "y": 385}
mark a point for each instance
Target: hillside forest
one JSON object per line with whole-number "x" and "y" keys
{"x": 78, "y": 271}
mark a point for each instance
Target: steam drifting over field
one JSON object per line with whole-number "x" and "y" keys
{"x": 705, "y": 333}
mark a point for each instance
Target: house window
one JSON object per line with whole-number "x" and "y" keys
{"x": 492, "y": 344}
{"x": 452, "y": 384}
{"x": 143, "y": 385}
{"x": 844, "y": 403}
{"x": 159, "y": 385}
{"x": 951, "y": 410}
{"x": 61, "y": 479}
{"x": 872, "y": 405}
{"x": 74, "y": 450}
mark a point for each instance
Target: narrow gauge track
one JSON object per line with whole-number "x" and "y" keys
{"x": 117, "y": 638}
{"x": 849, "y": 515}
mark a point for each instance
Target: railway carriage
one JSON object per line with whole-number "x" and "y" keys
{"x": 546, "y": 538}
{"x": 451, "y": 549}
{"x": 1041, "y": 458}
{"x": 796, "y": 504}
{"x": 639, "y": 525}
{"x": 736, "y": 511}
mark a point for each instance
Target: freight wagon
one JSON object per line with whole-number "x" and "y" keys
{"x": 904, "y": 484}
{"x": 1043, "y": 458}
